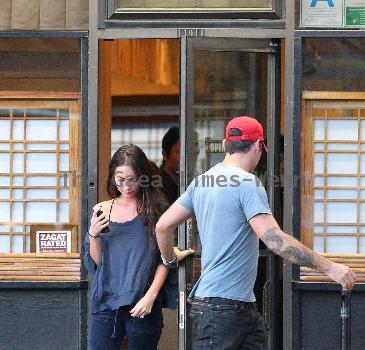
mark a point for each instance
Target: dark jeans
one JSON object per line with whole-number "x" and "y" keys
{"x": 109, "y": 327}
{"x": 224, "y": 324}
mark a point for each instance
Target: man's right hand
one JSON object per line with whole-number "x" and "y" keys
{"x": 342, "y": 274}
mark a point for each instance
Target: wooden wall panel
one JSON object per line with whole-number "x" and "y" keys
{"x": 52, "y": 14}
{"x": 44, "y": 14}
{"x": 5, "y": 14}
{"x": 104, "y": 117}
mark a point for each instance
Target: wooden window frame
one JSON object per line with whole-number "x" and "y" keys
{"x": 355, "y": 261}
{"x": 50, "y": 266}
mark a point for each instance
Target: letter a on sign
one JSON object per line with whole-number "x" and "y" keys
{"x": 329, "y": 2}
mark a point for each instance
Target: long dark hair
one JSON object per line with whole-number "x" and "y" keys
{"x": 151, "y": 202}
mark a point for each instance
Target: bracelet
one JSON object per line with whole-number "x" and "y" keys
{"x": 170, "y": 264}
{"x": 93, "y": 236}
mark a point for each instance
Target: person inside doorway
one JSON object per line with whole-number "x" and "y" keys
{"x": 171, "y": 164}
{"x": 130, "y": 280}
{"x": 232, "y": 213}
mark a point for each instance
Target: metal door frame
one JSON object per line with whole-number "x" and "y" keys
{"x": 273, "y": 126}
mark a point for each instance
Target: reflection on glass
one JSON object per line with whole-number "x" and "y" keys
{"x": 226, "y": 84}
{"x": 194, "y": 4}
{"x": 324, "y": 56}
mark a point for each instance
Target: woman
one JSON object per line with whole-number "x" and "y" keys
{"x": 126, "y": 295}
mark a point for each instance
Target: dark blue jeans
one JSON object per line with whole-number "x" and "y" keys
{"x": 225, "y": 324}
{"x": 109, "y": 327}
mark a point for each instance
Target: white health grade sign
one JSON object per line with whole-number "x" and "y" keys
{"x": 322, "y": 13}
{"x": 53, "y": 241}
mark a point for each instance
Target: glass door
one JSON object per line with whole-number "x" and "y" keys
{"x": 222, "y": 78}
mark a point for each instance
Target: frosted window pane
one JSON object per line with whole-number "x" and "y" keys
{"x": 18, "y": 180}
{"x": 64, "y": 162}
{"x": 341, "y": 245}
{"x": 4, "y": 146}
{"x": 64, "y": 194}
{"x": 41, "y": 146}
{"x": 4, "y": 211}
{"x": 362, "y": 245}
{"x": 4, "y": 129}
{"x": 41, "y": 194}
{"x": 4, "y": 228}
{"x": 318, "y": 194}
{"x": 318, "y": 244}
{"x": 4, "y": 244}
{"x": 362, "y": 147}
{"x": 319, "y": 130}
{"x": 341, "y": 212}
{"x": 64, "y": 147}
{"x": 4, "y": 194}
{"x": 362, "y": 125}
{"x": 339, "y": 163}
{"x": 18, "y": 228}
{"x": 64, "y": 212}
{"x": 318, "y": 213}
{"x": 45, "y": 130}
{"x": 41, "y": 212}
{"x": 63, "y": 180}
{"x": 362, "y": 164}
{"x": 18, "y": 146}
{"x": 18, "y": 130}
{"x": 319, "y": 163}
{"x": 4, "y": 163}
{"x": 362, "y": 194}
{"x": 64, "y": 130}
{"x": 341, "y": 194}
{"x": 18, "y": 194}
{"x": 319, "y": 146}
{"x": 41, "y": 163}
{"x": 18, "y": 212}
{"x": 41, "y": 181}
{"x": 362, "y": 181}
{"x": 342, "y": 229}
{"x": 18, "y": 163}
{"x": 318, "y": 229}
{"x": 27, "y": 242}
{"x": 318, "y": 181}
{"x": 17, "y": 244}
{"x": 362, "y": 212}
{"x": 342, "y": 130}
{"x": 4, "y": 180}
{"x": 342, "y": 146}
{"x": 342, "y": 181}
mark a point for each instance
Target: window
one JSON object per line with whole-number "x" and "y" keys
{"x": 40, "y": 156}
{"x": 333, "y": 174}
{"x": 188, "y": 9}
{"x": 193, "y": 4}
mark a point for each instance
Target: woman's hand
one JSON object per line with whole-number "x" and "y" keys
{"x": 143, "y": 307}
{"x": 98, "y": 223}
{"x": 182, "y": 254}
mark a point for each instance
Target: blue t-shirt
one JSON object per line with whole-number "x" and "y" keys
{"x": 224, "y": 199}
{"x": 127, "y": 268}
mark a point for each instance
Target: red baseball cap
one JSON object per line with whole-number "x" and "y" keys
{"x": 250, "y": 128}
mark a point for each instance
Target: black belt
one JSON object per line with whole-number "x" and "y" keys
{"x": 218, "y": 300}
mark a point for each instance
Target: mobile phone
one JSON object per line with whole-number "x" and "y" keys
{"x": 105, "y": 229}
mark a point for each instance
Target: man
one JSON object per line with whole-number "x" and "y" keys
{"x": 170, "y": 164}
{"x": 232, "y": 212}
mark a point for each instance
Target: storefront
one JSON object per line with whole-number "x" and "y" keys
{"x": 68, "y": 99}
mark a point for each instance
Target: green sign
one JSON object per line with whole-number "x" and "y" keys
{"x": 355, "y": 16}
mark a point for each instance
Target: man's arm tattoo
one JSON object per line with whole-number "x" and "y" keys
{"x": 288, "y": 247}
